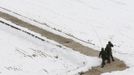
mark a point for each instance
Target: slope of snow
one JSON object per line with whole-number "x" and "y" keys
{"x": 94, "y": 21}
{"x": 21, "y": 54}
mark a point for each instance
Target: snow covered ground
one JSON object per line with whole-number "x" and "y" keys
{"x": 93, "y": 21}
{"x": 22, "y": 54}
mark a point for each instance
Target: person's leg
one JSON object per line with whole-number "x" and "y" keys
{"x": 108, "y": 59}
{"x": 103, "y": 63}
{"x": 112, "y": 57}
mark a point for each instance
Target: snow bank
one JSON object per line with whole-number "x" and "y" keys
{"x": 25, "y": 55}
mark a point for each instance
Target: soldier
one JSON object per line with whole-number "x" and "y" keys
{"x": 103, "y": 56}
{"x": 108, "y": 50}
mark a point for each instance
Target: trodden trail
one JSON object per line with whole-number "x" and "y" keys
{"x": 114, "y": 66}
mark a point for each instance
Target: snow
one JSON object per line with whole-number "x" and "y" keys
{"x": 93, "y": 21}
{"x": 22, "y": 54}
{"x": 126, "y": 72}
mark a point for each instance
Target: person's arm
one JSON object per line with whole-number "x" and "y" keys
{"x": 100, "y": 53}
{"x": 111, "y": 44}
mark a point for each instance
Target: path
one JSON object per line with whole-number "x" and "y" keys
{"x": 117, "y": 65}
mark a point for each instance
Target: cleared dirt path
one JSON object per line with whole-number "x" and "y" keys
{"x": 114, "y": 66}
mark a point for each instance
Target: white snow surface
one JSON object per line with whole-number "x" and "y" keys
{"x": 93, "y": 21}
{"x": 22, "y": 54}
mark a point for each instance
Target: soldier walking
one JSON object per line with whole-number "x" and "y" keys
{"x": 108, "y": 50}
{"x": 103, "y": 56}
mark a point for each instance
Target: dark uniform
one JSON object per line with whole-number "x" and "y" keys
{"x": 108, "y": 49}
{"x": 103, "y": 56}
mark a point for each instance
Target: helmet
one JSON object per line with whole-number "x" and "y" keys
{"x": 109, "y": 42}
{"x": 102, "y": 49}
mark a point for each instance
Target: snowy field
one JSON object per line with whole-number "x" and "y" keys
{"x": 22, "y": 54}
{"x": 93, "y": 21}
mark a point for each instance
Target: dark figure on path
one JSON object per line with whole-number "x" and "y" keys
{"x": 103, "y": 56}
{"x": 108, "y": 50}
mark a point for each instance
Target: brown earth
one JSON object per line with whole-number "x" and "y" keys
{"x": 114, "y": 66}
